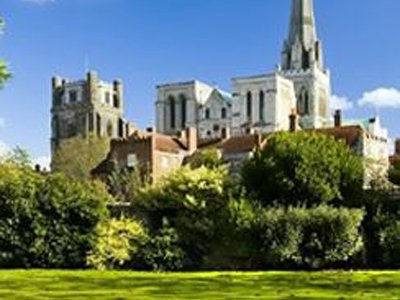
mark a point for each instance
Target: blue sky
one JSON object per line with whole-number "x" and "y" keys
{"x": 148, "y": 42}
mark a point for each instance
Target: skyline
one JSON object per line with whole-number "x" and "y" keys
{"x": 150, "y": 45}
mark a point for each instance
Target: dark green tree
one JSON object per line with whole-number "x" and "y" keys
{"x": 303, "y": 168}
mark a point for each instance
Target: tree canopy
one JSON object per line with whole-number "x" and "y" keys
{"x": 303, "y": 168}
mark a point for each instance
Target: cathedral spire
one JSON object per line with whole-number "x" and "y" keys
{"x": 302, "y": 24}
{"x": 302, "y": 49}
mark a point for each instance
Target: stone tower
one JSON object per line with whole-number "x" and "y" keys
{"x": 84, "y": 107}
{"x": 303, "y": 63}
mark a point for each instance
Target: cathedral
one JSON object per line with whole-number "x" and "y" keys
{"x": 262, "y": 103}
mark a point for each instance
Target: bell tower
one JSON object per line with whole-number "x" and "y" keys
{"x": 303, "y": 63}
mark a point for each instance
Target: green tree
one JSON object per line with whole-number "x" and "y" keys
{"x": 4, "y": 71}
{"x": 303, "y": 168}
{"x": 209, "y": 158}
{"x": 47, "y": 221}
{"x": 193, "y": 201}
{"x": 119, "y": 243}
{"x": 78, "y": 156}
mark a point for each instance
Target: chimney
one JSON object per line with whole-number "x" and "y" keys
{"x": 293, "y": 121}
{"x": 191, "y": 139}
{"x": 226, "y": 133}
{"x": 397, "y": 147}
{"x": 338, "y": 118}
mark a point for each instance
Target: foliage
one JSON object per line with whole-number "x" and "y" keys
{"x": 4, "y": 71}
{"x": 192, "y": 200}
{"x": 389, "y": 239}
{"x": 47, "y": 221}
{"x": 209, "y": 158}
{"x": 119, "y": 242}
{"x": 303, "y": 168}
{"x": 310, "y": 238}
{"x": 78, "y": 156}
{"x": 394, "y": 173}
{"x": 124, "y": 184}
{"x": 163, "y": 251}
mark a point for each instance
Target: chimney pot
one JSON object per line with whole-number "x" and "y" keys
{"x": 338, "y": 118}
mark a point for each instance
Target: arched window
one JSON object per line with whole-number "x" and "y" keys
{"x": 207, "y": 113}
{"x": 306, "y": 103}
{"x": 172, "y": 114}
{"x": 183, "y": 110}
{"x": 110, "y": 129}
{"x": 98, "y": 125}
{"x": 249, "y": 101}
{"x": 223, "y": 113}
{"x": 303, "y": 107}
{"x": 261, "y": 106}
{"x": 116, "y": 100}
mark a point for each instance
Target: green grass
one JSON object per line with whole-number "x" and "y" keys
{"x": 43, "y": 285}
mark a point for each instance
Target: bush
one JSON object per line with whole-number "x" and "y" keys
{"x": 303, "y": 168}
{"x": 310, "y": 238}
{"x": 163, "y": 252}
{"x": 193, "y": 202}
{"x": 389, "y": 240}
{"x": 47, "y": 221}
{"x": 120, "y": 241}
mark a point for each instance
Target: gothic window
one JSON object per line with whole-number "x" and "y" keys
{"x": 223, "y": 113}
{"x": 303, "y": 104}
{"x": 183, "y": 110}
{"x": 98, "y": 124}
{"x": 207, "y": 113}
{"x": 249, "y": 101}
{"x": 73, "y": 96}
{"x": 306, "y": 103}
{"x": 261, "y": 106}
{"x": 116, "y": 100}
{"x": 172, "y": 113}
{"x": 110, "y": 129}
{"x": 121, "y": 128}
{"x": 306, "y": 60}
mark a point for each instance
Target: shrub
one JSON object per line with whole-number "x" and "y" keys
{"x": 119, "y": 242}
{"x": 163, "y": 252}
{"x": 389, "y": 240}
{"x": 303, "y": 168}
{"x": 310, "y": 238}
{"x": 47, "y": 221}
{"x": 192, "y": 200}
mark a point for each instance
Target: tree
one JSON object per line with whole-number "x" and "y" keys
{"x": 303, "y": 168}
{"x": 78, "y": 156}
{"x": 193, "y": 202}
{"x": 47, "y": 221}
{"x": 209, "y": 158}
{"x": 4, "y": 72}
{"x": 394, "y": 173}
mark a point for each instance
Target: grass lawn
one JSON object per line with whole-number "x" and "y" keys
{"x": 43, "y": 285}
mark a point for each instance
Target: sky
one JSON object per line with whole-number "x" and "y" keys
{"x": 150, "y": 42}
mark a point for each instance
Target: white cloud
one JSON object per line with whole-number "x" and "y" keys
{"x": 340, "y": 102}
{"x": 381, "y": 97}
{"x": 43, "y": 161}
